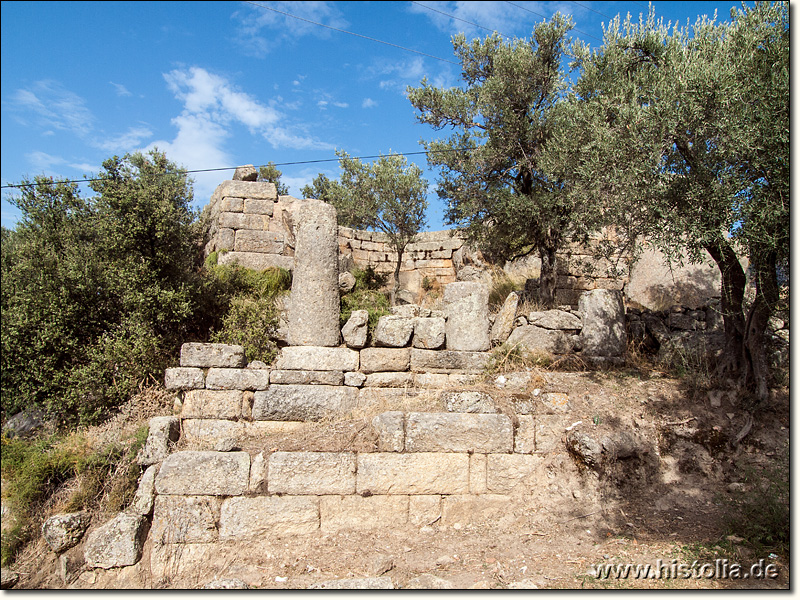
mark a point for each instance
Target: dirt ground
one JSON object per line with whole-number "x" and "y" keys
{"x": 668, "y": 505}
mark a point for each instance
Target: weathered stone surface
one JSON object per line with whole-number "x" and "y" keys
{"x": 259, "y": 516}
{"x": 450, "y": 432}
{"x": 258, "y": 474}
{"x": 354, "y": 379}
{"x": 202, "y": 473}
{"x": 312, "y": 473}
{"x": 145, "y": 493}
{"x": 525, "y": 435}
{"x": 241, "y": 221}
{"x": 184, "y": 378}
{"x": 393, "y": 331}
{"x": 303, "y": 402}
{"x": 375, "y": 360}
{"x": 237, "y": 379}
{"x": 390, "y": 380}
{"x": 282, "y": 377}
{"x": 185, "y": 519}
{"x": 603, "y": 332}
{"x": 467, "y": 402}
{"x": 257, "y": 261}
{"x": 212, "y": 404}
{"x": 257, "y": 206}
{"x": 419, "y": 473}
{"x": 359, "y": 513}
{"x": 390, "y": 427}
{"x": 447, "y": 361}
{"x": 245, "y": 173}
{"x": 426, "y": 581}
{"x": 62, "y": 532}
{"x": 8, "y": 578}
{"x": 553, "y": 402}
{"x": 118, "y": 543}
{"x": 315, "y": 358}
{"x": 314, "y": 310}
{"x": 226, "y": 584}
{"x": 355, "y": 330}
{"x": 208, "y": 433}
{"x": 163, "y": 430}
{"x": 504, "y": 322}
{"x": 477, "y": 509}
{"x": 212, "y": 355}
{"x": 467, "y": 311}
{"x": 504, "y": 472}
{"x": 24, "y": 423}
{"x": 585, "y": 447}
{"x": 355, "y": 583}
{"x": 248, "y": 240}
{"x": 424, "y": 509}
{"x": 261, "y": 190}
{"x": 429, "y": 333}
{"x": 477, "y": 473}
{"x": 555, "y": 319}
{"x": 431, "y": 380}
{"x": 531, "y": 338}
{"x": 346, "y": 282}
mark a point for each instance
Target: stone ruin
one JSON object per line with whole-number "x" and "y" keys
{"x": 467, "y": 459}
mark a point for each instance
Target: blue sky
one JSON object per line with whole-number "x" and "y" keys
{"x": 220, "y": 84}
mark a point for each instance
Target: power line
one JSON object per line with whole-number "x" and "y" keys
{"x": 460, "y": 19}
{"x": 591, "y": 9}
{"x": 352, "y": 33}
{"x": 546, "y": 17}
{"x": 284, "y": 164}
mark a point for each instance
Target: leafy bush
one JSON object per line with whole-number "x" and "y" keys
{"x": 366, "y": 295}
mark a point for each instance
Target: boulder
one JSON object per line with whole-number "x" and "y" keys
{"x": 245, "y": 173}
{"x": 393, "y": 331}
{"x": 355, "y": 330}
{"x": 531, "y": 337}
{"x": 163, "y": 430}
{"x": 429, "y": 333}
{"x": 504, "y": 322}
{"x": 467, "y": 313}
{"x": 346, "y": 282}
{"x": 118, "y": 543}
{"x": 62, "y": 532}
{"x": 554, "y": 319}
{"x": 603, "y": 332}
{"x": 212, "y": 355}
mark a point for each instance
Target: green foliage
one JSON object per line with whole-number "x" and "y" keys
{"x": 271, "y": 174}
{"x": 321, "y": 188}
{"x": 96, "y": 293}
{"x": 366, "y": 295}
{"x": 247, "y": 301}
{"x": 32, "y": 470}
{"x": 491, "y": 167}
{"x": 760, "y": 515}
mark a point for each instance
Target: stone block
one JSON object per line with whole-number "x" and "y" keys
{"x": 202, "y": 473}
{"x": 314, "y": 310}
{"x": 162, "y": 431}
{"x": 231, "y": 204}
{"x": 452, "y": 432}
{"x": 62, "y": 532}
{"x": 533, "y": 338}
{"x": 237, "y": 379}
{"x": 303, "y": 402}
{"x": 603, "y": 332}
{"x": 431, "y": 380}
{"x": 504, "y": 322}
{"x": 212, "y": 404}
{"x": 447, "y": 361}
{"x": 341, "y": 513}
{"x": 481, "y": 509}
{"x": 311, "y": 473}
{"x": 355, "y": 330}
{"x": 375, "y": 360}
{"x": 393, "y": 331}
{"x": 467, "y": 312}
{"x": 117, "y": 543}
{"x": 419, "y": 473}
{"x": 282, "y": 377}
{"x": 318, "y": 358}
{"x": 525, "y": 436}
{"x": 226, "y": 239}
{"x": 185, "y": 519}
{"x": 258, "y": 474}
{"x": 424, "y": 510}
{"x": 212, "y": 355}
{"x": 268, "y": 242}
{"x": 257, "y": 206}
{"x": 355, "y": 583}
{"x": 553, "y": 403}
{"x": 271, "y": 516}
{"x": 260, "y": 190}
{"x": 142, "y": 503}
{"x": 354, "y": 379}
{"x": 245, "y": 173}
{"x": 550, "y": 432}
{"x": 555, "y": 319}
{"x": 257, "y": 261}
{"x": 477, "y": 474}
{"x": 208, "y": 433}
{"x": 390, "y": 427}
{"x": 429, "y": 333}
{"x": 467, "y": 402}
{"x": 390, "y": 380}
{"x": 184, "y": 378}
{"x": 509, "y": 472}
{"x": 237, "y": 220}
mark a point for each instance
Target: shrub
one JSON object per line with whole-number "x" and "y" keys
{"x": 366, "y": 295}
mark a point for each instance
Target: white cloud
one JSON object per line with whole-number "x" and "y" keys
{"x": 341, "y": 104}
{"x": 368, "y": 103}
{"x": 126, "y": 142}
{"x": 261, "y": 29}
{"x": 41, "y": 161}
{"x": 121, "y": 89}
{"x": 54, "y": 106}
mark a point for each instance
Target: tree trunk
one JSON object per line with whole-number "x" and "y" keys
{"x": 548, "y": 277}
{"x": 732, "y": 307}
{"x": 396, "y": 286}
{"x": 756, "y": 373}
